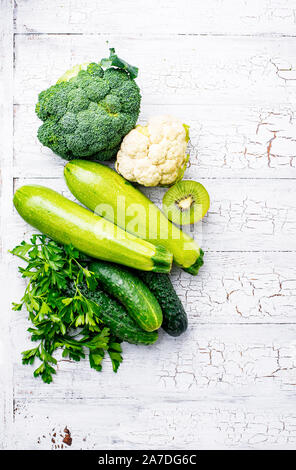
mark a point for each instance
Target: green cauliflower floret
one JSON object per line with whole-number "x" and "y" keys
{"x": 89, "y": 110}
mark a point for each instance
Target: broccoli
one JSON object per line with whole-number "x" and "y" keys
{"x": 89, "y": 110}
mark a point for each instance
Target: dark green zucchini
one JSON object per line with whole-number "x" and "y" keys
{"x": 126, "y": 287}
{"x": 115, "y": 317}
{"x": 174, "y": 316}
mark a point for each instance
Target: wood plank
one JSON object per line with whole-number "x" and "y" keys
{"x": 228, "y": 69}
{"x": 101, "y": 424}
{"x": 231, "y": 141}
{"x": 154, "y": 17}
{"x": 173, "y": 70}
{"x": 245, "y": 215}
{"x": 230, "y": 288}
{"x": 208, "y": 362}
{"x": 6, "y": 192}
{"x": 240, "y": 288}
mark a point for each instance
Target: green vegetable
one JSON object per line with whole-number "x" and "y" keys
{"x": 114, "y": 60}
{"x": 67, "y": 222}
{"x": 89, "y": 110}
{"x": 59, "y": 320}
{"x": 174, "y": 316}
{"x": 108, "y": 194}
{"x": 131, "y": 292}
{"x": 194, "y": 268}
{"x": 117, "y": 319}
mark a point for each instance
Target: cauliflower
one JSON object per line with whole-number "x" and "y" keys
{"x": 154, "y": 154}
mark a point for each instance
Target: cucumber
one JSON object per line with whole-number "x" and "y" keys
{"x": 66, "y": 222}
{"x": 139, "y": 302}
{"x": 174, "y": 316}
{"x": 116, "y": 318}
{"x": 108, "y": 194}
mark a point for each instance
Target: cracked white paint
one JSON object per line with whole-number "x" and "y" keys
{"x": 188, "y": 17}
{"x": 227, "y": 68}
{"x": 210, "y": 361}
{"x": 213, "y": 425}
{"x": 196, "y": 70}
{"x": 233, "y": 141}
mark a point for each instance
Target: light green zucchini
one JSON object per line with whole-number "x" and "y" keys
{"x": 67, "y": 222}
{"x": 108, "y": 194}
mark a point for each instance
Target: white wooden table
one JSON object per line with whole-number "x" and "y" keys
{"x": 228, "y": 68}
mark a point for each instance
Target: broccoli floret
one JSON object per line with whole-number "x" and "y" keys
{"x": 89, "y": 111}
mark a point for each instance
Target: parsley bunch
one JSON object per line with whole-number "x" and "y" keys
{"x": 59, "y": 320}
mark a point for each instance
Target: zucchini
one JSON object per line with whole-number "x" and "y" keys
{"x": 174, "y": 316}
{"x": 197, "y": 265}
{"x": 102, "y": 190}
{"x": 116, "y": 318}
{"x": 139, "y": 302}
{"x": 67, "y": 222}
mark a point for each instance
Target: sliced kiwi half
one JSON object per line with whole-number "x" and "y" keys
{"x": 186, "y": 202}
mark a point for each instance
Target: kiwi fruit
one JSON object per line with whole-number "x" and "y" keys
{"x": 186, "y": 202}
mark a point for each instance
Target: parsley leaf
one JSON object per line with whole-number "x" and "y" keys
{"x": 60, "y": 321}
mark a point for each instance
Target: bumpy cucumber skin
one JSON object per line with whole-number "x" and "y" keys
{"x": 139, "y": 302}
{"x": 67, "y": 222}
{"x": 115, "y": 317}
{"x": 174, "y": 316}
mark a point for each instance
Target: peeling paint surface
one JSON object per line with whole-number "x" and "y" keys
{"x": 227, "y": 69}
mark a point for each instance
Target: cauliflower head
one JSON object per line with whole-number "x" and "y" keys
{"x": 154, "y": 154}
{"x": 89, "y": 110}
